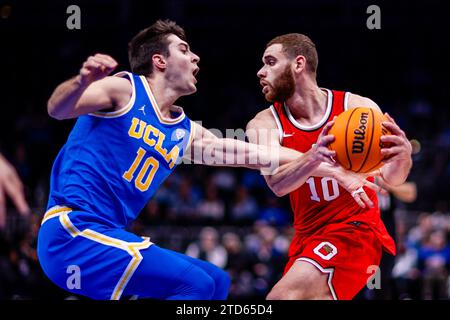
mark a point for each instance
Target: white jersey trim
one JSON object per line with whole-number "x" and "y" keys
{"x": 126, "y": 108}
{"x": 161, "y": 118}
{"x": 321, "y": 122}
{"x": 191, "y": 135}
{"x": 132, "y": 248}
{"x": 329, "y": 271}
{"x": 346, "y": 97}
{"x": 277, "y": 120}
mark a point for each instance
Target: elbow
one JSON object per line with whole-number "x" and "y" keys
{"x": 53, "y": 111}
{"x": 276, "y": 186}
{"x": 279, "y": 192}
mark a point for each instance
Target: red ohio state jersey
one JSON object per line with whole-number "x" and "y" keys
{"x": 321, "y": 200}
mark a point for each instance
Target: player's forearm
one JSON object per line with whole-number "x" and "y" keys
{"x": 237, "y": 153}
{"x": 295, "y": 169}
{"x": 64, "y": 99}
{"x": 406, "y": 192}
{"x": 395, "y": 173}
{"x": 291, "y": 176}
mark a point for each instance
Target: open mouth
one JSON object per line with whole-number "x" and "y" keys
{"x": 196, "y": 70}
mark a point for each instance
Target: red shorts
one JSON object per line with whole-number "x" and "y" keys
{"x": 348, "y": 253}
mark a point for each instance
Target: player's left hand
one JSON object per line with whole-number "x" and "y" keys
{"x": 354, "y": 183}
{"x": 398, "y": 147}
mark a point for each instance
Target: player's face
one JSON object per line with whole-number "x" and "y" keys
{"x": 181, "y": 66}
{"x": 276, "y": 76}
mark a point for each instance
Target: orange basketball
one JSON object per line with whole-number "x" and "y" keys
{"x": 357, "y": 139}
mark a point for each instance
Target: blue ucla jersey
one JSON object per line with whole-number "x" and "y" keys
{"x": 113, "y": 162}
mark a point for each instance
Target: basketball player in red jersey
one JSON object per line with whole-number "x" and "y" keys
{"x": 339, "y": 236}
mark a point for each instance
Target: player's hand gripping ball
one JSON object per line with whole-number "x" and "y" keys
{"x": 357, "y": 139}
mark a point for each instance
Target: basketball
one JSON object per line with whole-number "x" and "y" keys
{"x": 357, "y": 139}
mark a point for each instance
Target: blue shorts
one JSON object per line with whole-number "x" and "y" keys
{"x": 103, "y": 262}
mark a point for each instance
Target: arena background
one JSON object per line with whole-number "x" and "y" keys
{"x": 229, "y": 216}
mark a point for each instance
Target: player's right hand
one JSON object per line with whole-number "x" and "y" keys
{"x": 95, "y": 68}
{"x": 319, "y": 150}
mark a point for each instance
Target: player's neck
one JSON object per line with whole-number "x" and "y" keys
{"x": 309, "y": 102}
{"x": 165, "y": 96}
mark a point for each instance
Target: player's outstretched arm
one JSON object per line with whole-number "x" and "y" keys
{"x": 206, "y": 148}
{"x": 91, "y": 90}
{"x": 406, "y": 192}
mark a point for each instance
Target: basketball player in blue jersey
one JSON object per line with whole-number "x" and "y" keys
{"x": 128, "y": 138}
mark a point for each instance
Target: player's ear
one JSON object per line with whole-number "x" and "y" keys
{"x": 300, "y": 64}
{"x": 159, "y": 61}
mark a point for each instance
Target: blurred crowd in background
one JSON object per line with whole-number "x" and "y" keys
{"x": 229, "y": 216}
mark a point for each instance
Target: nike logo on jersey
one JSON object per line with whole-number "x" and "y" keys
{"x": 287, "y": 135}
{"x": 142, "y": 109}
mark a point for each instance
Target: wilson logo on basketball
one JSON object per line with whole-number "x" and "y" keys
{"x": 360, "y": 134}
{"x": 357, "y": 141}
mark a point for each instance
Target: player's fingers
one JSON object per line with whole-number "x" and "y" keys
{"x": 101, "y": 65}
{"x": 98, "y": 62}
{"x": 389, "y": 160}
{"x": 358, "y": 200}
{"x": 91, "y": 64}
{"x": 106, "y": 56}
{"x": 386, "y": 152}
{"x": 324, "y": 141}
{"x": 365, "y": 199}
{"x": 392, "y": 127}
{"x": 84, "y": 71}
{"x": 105, "y": 62}
{"x": 112, "y": 62}
{"x": 375, "y": 173}
{"x": 326, "y": 152}
{"x": 373, "y": 186}
{"x": 391, "y": 139}
{"x": 326, "y": 159}
{"x": 327, "y": 128}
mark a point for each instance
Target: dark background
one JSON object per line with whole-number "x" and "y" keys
{"x": 403, "y": 67}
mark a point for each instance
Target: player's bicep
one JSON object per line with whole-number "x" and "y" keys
{"x": 96, "y": 97}
{"x": 108, "y": 94}
{"x": 263, "y": 132}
